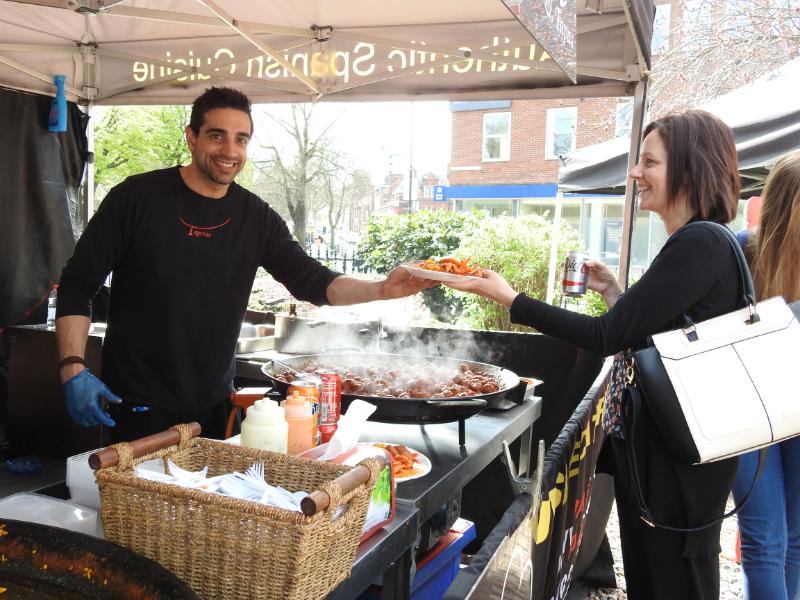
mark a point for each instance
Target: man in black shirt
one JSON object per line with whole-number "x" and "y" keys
{"x": 184, "y": 244}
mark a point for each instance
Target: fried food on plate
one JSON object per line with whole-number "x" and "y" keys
{"x": 451, "y": 265}
{"x": 402, "y": 460}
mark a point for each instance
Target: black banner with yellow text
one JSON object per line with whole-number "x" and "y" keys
{"x": 533, "y": 555}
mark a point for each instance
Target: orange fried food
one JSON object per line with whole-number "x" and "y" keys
{"x": 451, "y": 265}
{"x": 402, "y": 460}
{"x": 403, "y": 466}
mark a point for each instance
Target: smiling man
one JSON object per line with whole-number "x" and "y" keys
{"x": 184, "y": 244}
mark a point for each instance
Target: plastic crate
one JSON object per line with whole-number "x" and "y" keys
{"x": 438, "y": 567}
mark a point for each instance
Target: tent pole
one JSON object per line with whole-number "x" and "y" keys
{"x": 89, "y": 91}
{"x": 88, "y": 196}
{"x": 265, "y": 48}
{"x": 639, "y": 101}
{"x": 551, "y": 269}
{"x": 43, "y": 77}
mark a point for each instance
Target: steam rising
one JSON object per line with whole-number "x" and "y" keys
{"x": 404, "y": 328}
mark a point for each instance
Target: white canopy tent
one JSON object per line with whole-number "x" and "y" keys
{"x": 167, "y": 52}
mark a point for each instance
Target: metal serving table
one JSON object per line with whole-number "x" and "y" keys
{"x": 389, "y": 551}
{"x": 389, "y": 554}
{"x": 452, "y": 467}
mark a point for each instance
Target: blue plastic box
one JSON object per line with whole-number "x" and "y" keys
{"x": 438, "y": 567}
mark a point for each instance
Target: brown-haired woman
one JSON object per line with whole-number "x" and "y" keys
{"x": 770, "y": 522}
{"x": 687, "y": 172}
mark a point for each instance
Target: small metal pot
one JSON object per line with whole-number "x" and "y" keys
{"x": 304, "y": 335}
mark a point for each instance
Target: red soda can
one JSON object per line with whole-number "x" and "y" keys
{"x": 326, "y": 432}
{"x": 330, "y": 397}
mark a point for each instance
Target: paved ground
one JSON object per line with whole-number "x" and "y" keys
{"x": 730, "y": 571}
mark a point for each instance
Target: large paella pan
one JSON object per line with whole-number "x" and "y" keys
{"x": 405, "y": 388}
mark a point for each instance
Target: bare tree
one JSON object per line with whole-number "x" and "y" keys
{"x": 266, "y": 184}
{"x": 714, "y": 47}
{"x": 288, "y": 174}
{"x": 339, "y": 188}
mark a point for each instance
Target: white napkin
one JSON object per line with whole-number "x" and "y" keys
{"x": 349, "y": 429}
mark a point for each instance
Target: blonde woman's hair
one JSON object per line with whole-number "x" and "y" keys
{"x": 776, "y": 247}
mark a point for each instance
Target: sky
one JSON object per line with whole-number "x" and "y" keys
{"x": 376, "y": 134}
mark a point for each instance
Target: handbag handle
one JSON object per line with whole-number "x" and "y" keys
{"x": 635, "y": 405}
{"x": 689, "y": 329}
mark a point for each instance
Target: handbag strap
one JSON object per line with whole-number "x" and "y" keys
{"x": 635, "y": 405}
{"x": 749, "y": 292}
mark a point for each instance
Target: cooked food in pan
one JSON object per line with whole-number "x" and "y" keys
{"x": 406, "y": 381}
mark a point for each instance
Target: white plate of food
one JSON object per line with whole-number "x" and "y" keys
{"x": 406, "y": 468}
{"x": 416, "y": 270}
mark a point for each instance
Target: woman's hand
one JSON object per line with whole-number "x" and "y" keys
{"x": 491, "y": 286}
{"x": 603, "y": 281}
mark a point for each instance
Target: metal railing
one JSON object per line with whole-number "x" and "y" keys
{"x": 344, "y": 260}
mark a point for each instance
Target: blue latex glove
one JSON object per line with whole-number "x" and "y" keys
{"x": 85, "y": 393}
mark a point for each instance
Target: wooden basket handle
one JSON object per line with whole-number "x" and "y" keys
{"x": 319, "y": 500}
{"x": 108, "y": 457}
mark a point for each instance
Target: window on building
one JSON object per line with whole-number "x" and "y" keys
{"x": 660, "y": 41}
{"x": 495, "y": 207}
{"x": 560, "y": 131}
{"x": 624, "y": 119}
{"x": 496, "y": 136}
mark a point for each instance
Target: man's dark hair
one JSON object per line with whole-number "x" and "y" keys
{"x": 702, "y": 162}
{"x": 218, "y": 97}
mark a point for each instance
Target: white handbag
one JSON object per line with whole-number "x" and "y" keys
{"x": 738, "y": 383}
{"x": 727, "y": 385}
{"x": 718, "y": 388}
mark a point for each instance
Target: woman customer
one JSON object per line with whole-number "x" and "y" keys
{"x": 770, "y": 522}
{"x": 687, "y": 173}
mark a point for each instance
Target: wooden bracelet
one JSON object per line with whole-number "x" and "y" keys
{"x": 71, "y": 360}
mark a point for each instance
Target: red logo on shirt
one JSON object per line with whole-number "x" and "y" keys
{"x": 203, "y": 232}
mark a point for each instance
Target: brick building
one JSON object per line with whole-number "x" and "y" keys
{"x": 505, "y": 159}
{"x": 504, "y": 154}
{"x": 391, "y": 198}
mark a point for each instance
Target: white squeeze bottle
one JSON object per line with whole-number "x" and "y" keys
{"x": 265, "y": 427}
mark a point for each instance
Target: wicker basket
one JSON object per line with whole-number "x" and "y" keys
{"x": 227, "y": 548}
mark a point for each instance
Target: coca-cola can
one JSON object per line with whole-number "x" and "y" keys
{"x": 330, "y": 397}
{"x": 575, "y": 273}
{"x": 326, "y": 432}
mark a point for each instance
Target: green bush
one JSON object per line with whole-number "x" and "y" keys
{"x": 394, "y": 239}
{"x": 595, "y": 305}
{"x": 519, "y": 250}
